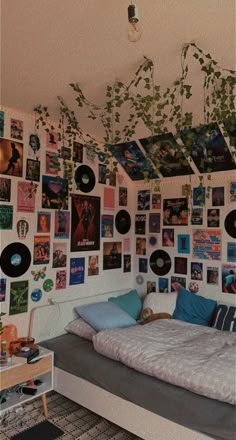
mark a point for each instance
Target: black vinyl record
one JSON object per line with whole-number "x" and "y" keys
{"x": 160, "y": 262}
{"x": 230, "y": 223}
{"x": 85, "y": 178}
{"x": 15, "y": 259}
{"x": 123, "y": 221}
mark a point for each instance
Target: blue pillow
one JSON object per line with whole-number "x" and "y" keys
{"x": 129, "y": 302}
{"x": 225, "y": 318}
{"x": 193, "y": 308}
{"x": 104, "y": 315}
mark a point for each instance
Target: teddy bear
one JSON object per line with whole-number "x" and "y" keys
{"x": 147, "y": 315}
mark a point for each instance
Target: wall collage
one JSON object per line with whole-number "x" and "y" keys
{"x": 59, "y": 244}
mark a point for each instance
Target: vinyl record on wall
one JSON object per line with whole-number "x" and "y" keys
{"x": 85, "y": 178}
{"x": 230, "y": 223}
{"x": 123, "y": 221}
{"x": 15, "y": 259}
{"x": 160, "y": 262}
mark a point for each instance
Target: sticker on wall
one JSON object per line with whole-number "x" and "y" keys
{"x": 39, "y": 274}
{"x": 22, "y": 227}
{"x": 48, "y": 285}
{"x": 36, "y": 295}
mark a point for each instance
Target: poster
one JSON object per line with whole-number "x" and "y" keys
{"x": 213, "y": 275}
{"x": 229, "y": 278}
{"x": 141, "y": 246}
{"x": 206, "y": 244}
{"x": 33, "y": 170}
{"x": 54, "y": 192}
{"x": 11, "y": 154}
{"x": 107, "y": 225}
{"x": 140, "y": 224}
{"x": 168, "y": 237}
{"x": 163, "y": 285}
{"x": 77, "y": 271}
{"x": 232, "y": 191}
{"x": 213, "y": 218}
{"x": 2, "y": 115}
{"x": 85, "y": 223}
{"x": 199, "y": 196}
{"x": 62, "y": 224}
{"x": 3, "y": 283}
{"x": 16, "y": 129}
{"x": 34, "y": 145}
{"x": 6, "y": 216}
{"x": 61, "y": 279}
{"x": 112, "y": 255}
{"x": 177, "y": 282}
{"x": 143, "y": 265}
{"x": 18, "y": 297}
{"x": 143, "y": 200}
{"x": 59, "y": 254}
{"x": 93, "y": 268}
{"x": 196, "y": 271}
{"x": 183, "y": 244}
{"x": 25, "y": 197}
{"x": 127, "y": 263}
{"x": 197, "y": 216}
{"x": 109, "y": 199}
{"x": 5, "y": 189}
{"x": 151, "y": 286}
{"x": 181, "y": 265}
{"x": 154, "y": 222}
{"x": 41, "y": 249}
{"x": 156, "y": 201}
{"x": 52, "y": 163}
{"x": 52, "y": 140}
{"x": 102, "y": 173}
{"x": 231, "y": 251}
{"x": 218, "y": 196}
{"x": 77, "y": 152}
{"x": 123, "y": 196}
{"x": 43, "y": 222}
{"x": 175, "y": 212}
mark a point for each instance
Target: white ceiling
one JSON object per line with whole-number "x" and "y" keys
{"x": 47, "y": 44}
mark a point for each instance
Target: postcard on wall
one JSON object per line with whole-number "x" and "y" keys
{"x": 52, "y": 163}
{"x": 181, "y": 265}
{"x": 163, "y": 285}
{"x": 59, "y": 254}
{"x": 41, "y": 249}
{"x": 141, "y": 246}
{"x": 43, "y": 222}
{"x": 209, "y": 149}
{"x": 183, "y": 244}
{"x": 34, "y": 146}
{"x": 18, "y": 297}
{"x": 218, "y": 196}
{"x": 61, "y": 279}
{"x": 6, "y": 216}
{"x": 2, "y": 117}
{"x": 77, "y": 270}
{"x": 85, "y": 223}
{"x": 163, "y": 149}
{"x": 231, "y": 252}
{"x": 232, "y": 191}
{"x": 175, "y": 212}
{"x": 168, "y": 237}
{"x": 11, "y": 154}
{"x": 107, "y": 225}
{"x": 143, "y": 265}
{"x": 77, "y": 152}
{"x": 62, "y": 224}
{"x": 109, "y": 199}
{"x": 213, "y": 218}
{"x": 25, "y": 197}
{"x": 213, "y": 275}
{"x": 126, "y": 245}
{"x": 143, "y": 203}
{"x": 16, "y": 129}
{"x": 132, "y": 159}
{"x": 140, "y": 224}
{"x": 177, "y": 282}
{"x": 229, "y": 278}
{"x": 93, "y": 267}
{"x": 206, "y": 244}
{"x": 3, "y": 283}
{"x": 199, "y": 196}
{"x": 52, "y": 140}
{"x": 102, "y": 173}
{"x": 156, "y": 201}
{"x": 154, "y": 222}
{"x": 33, "y": 170}
{"x": 196, "y": 271}
{"x": 112, "y": 252}
{"x": 151, "y": 286}
{"x": 123, "y": 196}
{"x": 5, "y": 189}
{"x": 54, "y": 192}
{"x": 197, "y": 216}
{"x": 127, "y": 263}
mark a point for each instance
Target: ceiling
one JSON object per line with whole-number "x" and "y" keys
{"x": 47, "y": 44}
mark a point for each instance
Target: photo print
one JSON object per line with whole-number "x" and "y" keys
{"x": 16, "y": 129}
{"x": 132, "y": 159}
{"x": 143, "y": 265}
{"x": 143, "y": 200}
{"x": 181, "y": 265}
{"x": 62, "y": 224}
{"x": 85, "y": 223}
{"x": 213, "y": 218}
{"x": 52, "y": 163}
{"x": 6, "y": 216}
{"x": 175, "y": 212}
{"x": 25, "y": 196}
{"x": 127, "y": 263}
{"x": 218, "y": 196}
{"x": 5, "y": 189}
{"x": 61, "y": 279}
{"x": 107, "y": 225}
{"x": 52, "y": 140}
{"x": 197, "y": 216}
{"x": 151, "y": 287}
{"x": 140, "y": 224}
{"x": 156, "y": 201}
{"x": 163, "y": 285}
{"x": 209, "y": 150}
{"x": 168, "y": 237}
{"x": 18, "y": 297}
{"x": 213, "y": 275}
{"x": 112, "y": 255}
{"x": 163, "y": 149}
{"x": 229, "y": 278}
{"x": 154, "y": 222}
{"x": 59, "y": 254}
{"x": 2, "y": 117}
{"x": 11, "y": 154}
{"x": 77, "y": 266}
{"x": 93, "y": 268}
{"x": 41, "y": 249}
{"x": 196, "y": 271}
{"x": 123, "y": 196}
{"x": 33, "y": 170}
{"x": 140, "y": 246}
{"x": 44, "y": 222}
{"x": 54, "y": 193}
{"x": 34, "y": 145}
{"x": 3, "y": 284}
{"x": 77, "y": 155}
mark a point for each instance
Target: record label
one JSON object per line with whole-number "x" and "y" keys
{"x": 160, "y": 262}
{"x": 15, "y": 259}
{"x": 123, "y": 222}
{"x": 85, "y": 178}
{"x": 230, "y": 223}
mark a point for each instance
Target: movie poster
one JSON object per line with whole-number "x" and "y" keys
{"x": 85, "y": 223}
{"x": 11, "y": 154}
{"x": 62, "y": 224}
{"x": 6, "y": 216}
{"x": 140, "y": 224}
{"x": 206, "y": 244}
{"x": 41, "y": 249}
{"x": 3, "y": 283}
{"x": 229, "y": 278}
{"x": 175, "y": 212}
{"x": 33, "y": 170}
{"x": 5, "y": 189}
{"x": 111, "y": 255}
{"x": 107, "y": 225}
{"x": 61, "y": 279}
{"x": 54, "y": 192}
{"x": 25, "y": 197}
{"x": 59, "y": 255}
{"x": 18, "y": 297}
{"x": 77, "y": 271}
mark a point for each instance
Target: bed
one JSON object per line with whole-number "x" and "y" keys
{"x": 144, "y": 405}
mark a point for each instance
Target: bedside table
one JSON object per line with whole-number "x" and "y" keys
{"x": 19, "y": 372}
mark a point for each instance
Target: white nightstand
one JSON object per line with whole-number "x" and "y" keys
{"x": 19, "y": 372}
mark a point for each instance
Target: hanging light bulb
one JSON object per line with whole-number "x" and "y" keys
{"x": 134, "y": 30}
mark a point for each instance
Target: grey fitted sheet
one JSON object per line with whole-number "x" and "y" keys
{"x": 77, "y": 356}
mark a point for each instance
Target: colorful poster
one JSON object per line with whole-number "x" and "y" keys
{"x": 123, "y": 196}
{"x": 107, "y": 225}
{"x": 231, "y": 252}
{"x": 41, "y": 249}
{"x": 85, "y": 223}
{"x": 163, "y": 285}
{"x": 154, "y": 222}
{"x": 77, "y": 152}
{"x": 197, "y": 216}
{"x": 11, "y": 154}
{"x": 229, "y": 278}
{"x": 61, "y": 279}
{"x": 196, "y": 271}
{"x": 143, "y": 202}
{"x": 16, "y": 129}
{"x": 6, "y": 216}
{"x": 109, "y": 199}
{"x": 2, "y": 115}
{"x": 213, "y": 275}
{"x": 218, "y": 196}
{"x": 34, "y": 145}
{"x": 59, "y": 255}
{"x": 44, "y": 222}
{"x": 112, "y": 255}
{"x": 168, "y": 237}
{"x": 25, "y": 197}
{"x": 181, "y": 265}
{"x": 207, "y": 244}
{"x": 175, "y": 212}
{"x": 5, "y": 189}
{"x": 77, "y": 271}
{"x": 164, "y": 151}
{"x": 62, "y": 224}
{"x": 232, "y": 191}
{"x": 140, "y": 224}
{"x": 132, "y": 159}
{"x": 52, "y": 140}
{"x": 18, "y": 297}
{"x": 199, "y": 196}
{"x": 177, "y": 282}
{"x": 127, "y": 263}
{"x": 213, "y": 218}
{"x": 183, "y": 244}
{"x": 93, "y": 268}
{"x": 33, "y": 170}
{"x": 52, "y": 163}
{"x": 156, "y": 201}
{"x": 54, "y": 192}
{"x": 3, "y": 283}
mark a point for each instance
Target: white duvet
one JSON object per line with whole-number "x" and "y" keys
{"x": 200, "y": 359}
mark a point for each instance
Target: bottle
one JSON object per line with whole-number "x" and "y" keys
{"x": 3, "y": 348}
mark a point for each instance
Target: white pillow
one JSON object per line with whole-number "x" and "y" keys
{"x": 160, "y": 302}
{"x": 81, "y": 328}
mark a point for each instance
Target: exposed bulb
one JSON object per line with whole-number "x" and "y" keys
{"x": 134, "y": 30}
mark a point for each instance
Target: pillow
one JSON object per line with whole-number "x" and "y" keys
{"x": 81, "y": 328}
{"x": 129, "y": 302}
{"x": 104, "y": 315}
{"x": 160, "y": 302}
{"x": 225, "y": 318}
{"x": 193, "y": 308}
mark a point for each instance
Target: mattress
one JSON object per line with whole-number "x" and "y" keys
{"x": 77, "y": 356}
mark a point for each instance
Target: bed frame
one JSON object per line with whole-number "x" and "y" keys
{"x": 49, "y": 321}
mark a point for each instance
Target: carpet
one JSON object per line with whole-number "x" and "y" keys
{"x": 43, "y": 430}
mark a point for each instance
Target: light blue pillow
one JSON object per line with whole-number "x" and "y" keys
{"x": 104, "y": 315}
{"x": 129, "y": 302}
{"x": 193, "y": 308}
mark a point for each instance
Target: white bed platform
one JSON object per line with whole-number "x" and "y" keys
{"x": 49, "y": 321}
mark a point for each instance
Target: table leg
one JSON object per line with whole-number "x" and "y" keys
{"x": 45, "y": 407}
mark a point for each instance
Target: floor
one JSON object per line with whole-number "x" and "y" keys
{"x": 77, "y": 422}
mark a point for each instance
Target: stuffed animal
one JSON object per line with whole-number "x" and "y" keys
{"x": 147, "y": 315}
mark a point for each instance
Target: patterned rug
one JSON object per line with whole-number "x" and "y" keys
{"x": 77, "y": 422}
